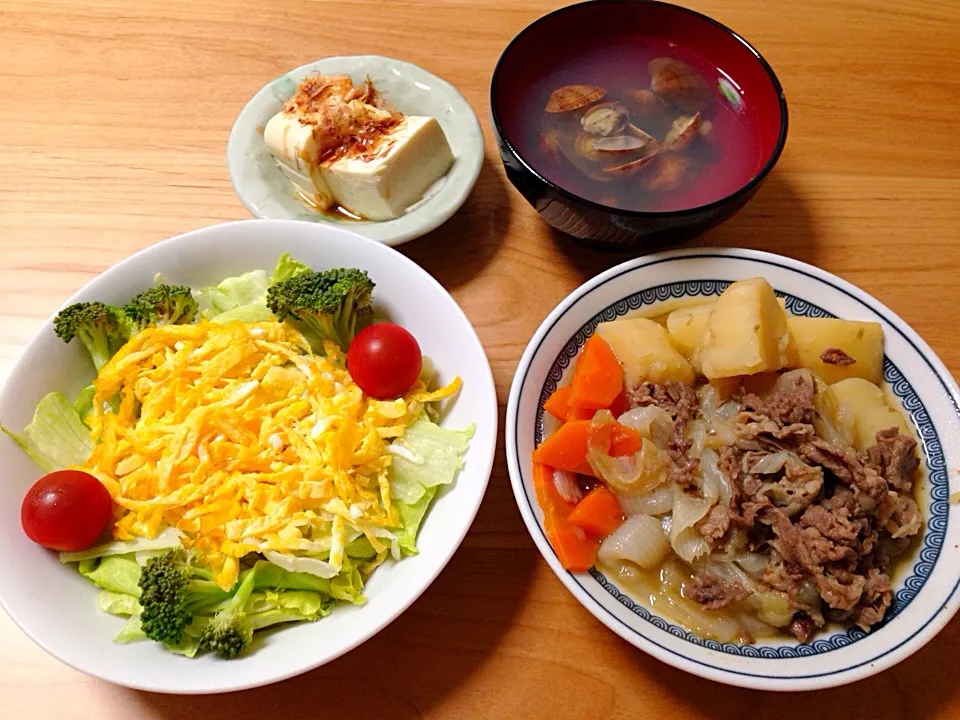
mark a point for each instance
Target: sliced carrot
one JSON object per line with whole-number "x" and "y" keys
{"x": 548, "y": 498}
{"x": 598, "y": 513}
{"x": 566, "y": 449}
{"x": 598, "y": 377}
{"x": 624, "y": 441}
{"x": 619, "y": 405}
{"x": 576, "y": 550}
{"x": 557, "y": 405}
{"x": 580, "y": 413}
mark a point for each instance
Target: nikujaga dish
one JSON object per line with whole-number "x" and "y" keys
{"x": 737, "y": 469}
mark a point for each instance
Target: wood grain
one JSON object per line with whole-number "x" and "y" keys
{"x": 114, "y": 116}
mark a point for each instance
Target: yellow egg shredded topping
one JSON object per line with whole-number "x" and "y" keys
{"x": 245, "y": 441}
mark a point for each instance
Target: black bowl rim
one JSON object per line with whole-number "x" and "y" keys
{"x": 744, "y": 190}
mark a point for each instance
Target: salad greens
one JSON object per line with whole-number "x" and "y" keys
{"x": 57, "y": 437}
{"x": 165, "y": 593}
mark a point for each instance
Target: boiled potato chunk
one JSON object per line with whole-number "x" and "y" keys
{"x": 746, "y": 333}
{"x": 861, "y": 341}
{"x": 687, "y": 325}
{"x": 865, "y": 406}
{"x": 643, "y": 348}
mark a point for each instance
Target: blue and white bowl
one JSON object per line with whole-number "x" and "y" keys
{"x": 927, "y": 587}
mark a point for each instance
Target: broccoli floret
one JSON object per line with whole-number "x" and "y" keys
{"x": 162, "y": 305}
{"x": 325, "y": 305}
{"x": 230, "y": 632}
{"x": 103, "y": 329}
{"x": 172, "y": 589}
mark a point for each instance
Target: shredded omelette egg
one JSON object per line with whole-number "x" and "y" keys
{"x": 245, "y": 441}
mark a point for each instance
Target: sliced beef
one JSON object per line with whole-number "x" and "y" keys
{"x": 796, "y": 490}
{"x": 895, "y": 458}
{"x": 683, "y": 468}
{"x": 826, "y": 561}
{"x": 716, "y": 524}
{"x": 831, "y": 526}
{"x": 675, "y": 398}
{"x": 870, "y": 487}
{"x": 681, "y": 403}
{"x": 801, "y": 627}
{"x": 650, "y": 394}
{"x": 905, "y": 520}
{"x": 836, "y": 356}
{"x": 840, "y": 588}
{"x": 730, "y": 464}
{"x": 834, "y": 525}
{"x": 828, "y": 456}
{"x": 748, "y": 514}
{"x": 714, "y": 593}
{"x": 876, "y": 598}
{"x": 787, "y": 406}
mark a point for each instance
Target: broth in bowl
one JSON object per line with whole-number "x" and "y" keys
{"x": 640, "y": 124}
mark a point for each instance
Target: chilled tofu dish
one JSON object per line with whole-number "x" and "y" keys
{"x": 737, "y": 469}
{"x": 347, "y": 150}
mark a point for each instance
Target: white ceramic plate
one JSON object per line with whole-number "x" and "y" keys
{"x": 57, "y": 607}
{"x": 267, "y": 193}
{"x": 926, "y": 590}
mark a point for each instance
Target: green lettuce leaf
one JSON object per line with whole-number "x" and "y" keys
{"x": 131, "y": 632}
{"x": 411, "y": 515}
{"x": 57, "y": 437}
{"x": 348, "y": 585}
{"x": 166, "y": 540}
{"x": 431, "y": 457}
{"x": 84, "y": 402}
{"x": 118, "y": 603}
{"x": 117, "y": 573}
{"x": 287, "y": 268}
{"x": 275, "y": 577}
{"x": 272, "y": 608}
{"x": 360, "y": 548}
{"x": 244, "y": 298}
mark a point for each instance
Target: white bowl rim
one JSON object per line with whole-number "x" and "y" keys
{"x": 485, "y": 455}
{"x": 407, "y": 227}
{"x": 938, "y": 617}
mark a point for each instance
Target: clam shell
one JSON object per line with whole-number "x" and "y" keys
{"x": 606, "y": 119}
{"x": 631, "y": 167}
{"x": 678, "y": 84}
{"x": 684, "y": 129}
{"x": 619, "y": 143}
{"x": 574, "y": 97}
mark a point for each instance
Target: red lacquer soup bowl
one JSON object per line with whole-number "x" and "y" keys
{"x": 629, "y": 123}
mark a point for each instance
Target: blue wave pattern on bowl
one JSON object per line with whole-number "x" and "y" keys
{"x": 936, "y": 523}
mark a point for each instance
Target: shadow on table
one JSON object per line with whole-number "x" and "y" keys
{"x": 921, "y": 686}
{"x": 776, "y": 220}
{"x": 418, "y": 660}
{"x": 462, "y": 247}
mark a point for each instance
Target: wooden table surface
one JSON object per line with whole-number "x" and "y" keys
{"x": 114, "y": 116}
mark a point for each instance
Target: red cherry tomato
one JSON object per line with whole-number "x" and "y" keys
{"x": 384, "y": 360}
{"x": 66, "y": 510}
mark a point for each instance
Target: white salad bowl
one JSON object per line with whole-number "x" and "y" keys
{"x": 267, "y": 193}
{"x": 927, "y": 587}
{"x": 57, "y": 607}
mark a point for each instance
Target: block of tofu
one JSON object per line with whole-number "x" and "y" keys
{"x": 381, "y": 184}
